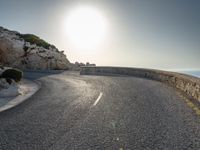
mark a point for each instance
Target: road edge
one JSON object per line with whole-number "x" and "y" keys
{"x": 33, "y": 85}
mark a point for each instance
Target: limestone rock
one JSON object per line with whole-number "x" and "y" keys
{"x": 16, "y": 51}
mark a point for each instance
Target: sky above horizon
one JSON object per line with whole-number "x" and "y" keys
{"x": 156, "y": 34}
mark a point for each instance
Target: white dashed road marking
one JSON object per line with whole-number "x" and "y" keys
{"x": 99, "y": 97}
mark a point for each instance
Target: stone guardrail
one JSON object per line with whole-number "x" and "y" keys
{"x": 188, "y": 84}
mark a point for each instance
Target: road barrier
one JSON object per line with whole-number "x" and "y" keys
{"x": 188, "y": 84}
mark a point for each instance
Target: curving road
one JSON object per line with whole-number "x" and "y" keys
{"x": 99, "y": 112}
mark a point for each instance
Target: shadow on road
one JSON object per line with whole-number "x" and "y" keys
{"x": 36, "y": 74}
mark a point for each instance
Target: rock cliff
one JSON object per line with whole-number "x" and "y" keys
{"x": 27, "y": 51}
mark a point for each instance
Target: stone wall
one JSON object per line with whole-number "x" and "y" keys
{"x": 188, "y": 84}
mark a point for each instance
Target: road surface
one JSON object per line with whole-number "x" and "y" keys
{"x": 98, "y": 112}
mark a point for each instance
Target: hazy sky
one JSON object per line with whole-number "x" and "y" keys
{"x": 163, "y": 34}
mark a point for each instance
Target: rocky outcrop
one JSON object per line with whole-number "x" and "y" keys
{"x": 77, "y": 66}
{"x": 26, "y": 51}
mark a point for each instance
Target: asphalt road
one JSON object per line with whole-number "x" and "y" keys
{"x": 99, "y": 112}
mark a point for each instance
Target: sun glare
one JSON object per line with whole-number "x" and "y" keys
{"x": 85, "y": 27}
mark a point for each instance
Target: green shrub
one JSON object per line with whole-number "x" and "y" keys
{"x": 8, "y": 80}
{"x": 33, "y": 39}
{"x": 14, "y": 74}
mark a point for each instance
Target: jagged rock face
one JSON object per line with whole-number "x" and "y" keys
{"x": 16, "y": 52}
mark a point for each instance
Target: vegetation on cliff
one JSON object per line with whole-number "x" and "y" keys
{"x": 33, "y": 39}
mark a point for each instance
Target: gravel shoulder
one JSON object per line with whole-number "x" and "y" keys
{"x": 26, "y": 89}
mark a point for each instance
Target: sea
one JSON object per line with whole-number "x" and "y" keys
{"x": 195, "y": 73}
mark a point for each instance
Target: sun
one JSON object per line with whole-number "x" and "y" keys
{"x": 85, "y": 27}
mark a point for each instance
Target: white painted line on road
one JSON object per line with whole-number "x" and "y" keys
{"x": 99, "y": 97}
